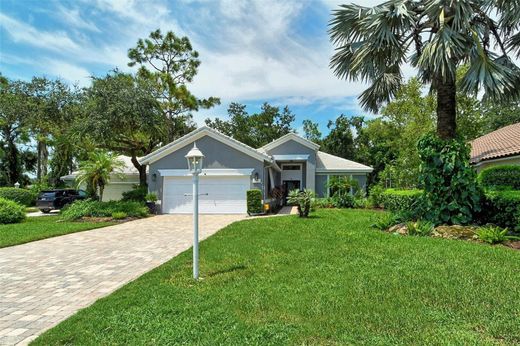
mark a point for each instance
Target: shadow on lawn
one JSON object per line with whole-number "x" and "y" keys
{"x": 231, "y": 269}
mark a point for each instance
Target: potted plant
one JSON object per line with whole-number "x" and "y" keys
{"x": 151, "y": 198}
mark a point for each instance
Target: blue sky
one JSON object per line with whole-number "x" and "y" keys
{"x": 251, "y": 51}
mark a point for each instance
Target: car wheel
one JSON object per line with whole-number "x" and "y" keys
{"x": 45, "y": 211}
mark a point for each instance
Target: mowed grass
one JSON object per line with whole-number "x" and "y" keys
{"x": 36, "y": 228}
{"x": 327, "y": 280}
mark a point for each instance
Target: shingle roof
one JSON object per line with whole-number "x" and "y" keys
{"x": 500, "y": 143}
{"x": 330, "y": 162}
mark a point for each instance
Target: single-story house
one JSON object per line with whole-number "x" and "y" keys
{"x": 124, "y": 180}
{"x": 500, "y": 147}
{"x": 231, "y": 168}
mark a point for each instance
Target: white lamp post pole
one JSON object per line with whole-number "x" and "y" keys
{"x": 195, "y": 158}
{"x": 196, "y": 226}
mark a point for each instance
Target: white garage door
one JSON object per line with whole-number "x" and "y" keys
{"x": 225, "y": 195}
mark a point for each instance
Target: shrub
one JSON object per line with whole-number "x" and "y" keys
{"x": 22, "y": 196}
{"x": 502, "y": 208}
{"x": 493, "y": 234}
{"x": 420, "y": 228}
{"x": 344, "y": 200}
{"x": 400, "y": 200}
{"x": 303, "y": 199}
{"x": 119, "y": 215}
{"x": 91, "y": 208}
{"x": 254, "y": 201}
{"x": 11, "y": 212}
{"x": 451, "y": 195}
{"x": 500, "y": 177}
{"x": 137, "y": 194}
{"x": 385, "y": 221}
{"x": 375, "y": 195}
{"x": 151, "y": 197}
{"x": 327, "y": 202}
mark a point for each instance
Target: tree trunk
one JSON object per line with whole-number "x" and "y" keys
{"x": 142, "y": 171}
{"x": 446, "y": 108}
{"x": 43, "y": 160}
{"x": 11, "y": 158}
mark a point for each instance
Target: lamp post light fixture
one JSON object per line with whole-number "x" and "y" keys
{"x": 195, "y": 158}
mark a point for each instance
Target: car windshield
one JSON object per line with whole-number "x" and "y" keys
{"x": 47, "y": 194}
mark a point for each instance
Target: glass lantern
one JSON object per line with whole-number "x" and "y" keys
{"x": 195, "y": 159}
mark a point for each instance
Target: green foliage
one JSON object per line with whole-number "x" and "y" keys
{"x": 97, "y": 170}
{"x": 343, "y": 200}
{"x": 124, "y": 116}
{"x": 451, "y": 195}
{"x": 151, "y": 197}
{"x": 256, "y": 129}
{"x": 372, "y": 44}
{"x": 304, "y": 200}
{"x": 375, "y": 194}
{"x": 327, "y": 202}
{"x": 420, "y": 228}
{"x": 340, "y": 140}
{"x": 493, "y": 234}
{"x": 385, "y": 221}
{"x": 119, "y": 215}
{"x": 22, "y": 196}
{"x": 502, "y": 208}
{"x": 90, "y": 208}
{"x": 10, "y": 211}
{"x": 311, "y": 131}
{"x": 506, "y": 176}
{"x": 401, "y": 200}
{"x": 254, "y": 201}
{"x": 171, "y": 63}
{"x": 137, "y": 194}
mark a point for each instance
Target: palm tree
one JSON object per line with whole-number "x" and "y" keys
{"x": 435, "y": 37}
{"x": 96, "y": 171}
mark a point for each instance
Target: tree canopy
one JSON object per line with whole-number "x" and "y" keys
{"x": 256, "y": 129}
{"x": 436, "y": 37}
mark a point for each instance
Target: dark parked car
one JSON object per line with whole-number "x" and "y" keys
{"x": 57, "y": 199}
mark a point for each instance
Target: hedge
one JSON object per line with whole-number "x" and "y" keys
{"x": 91, "y": 208}
{"x": 22, "y": 196}
{"x": 506, "y": 176}
{"x": 502, "y": 208}
{"x": 11, "y": 212}
{"x": 400, "y": 200}
{"x": 254, "y": 201}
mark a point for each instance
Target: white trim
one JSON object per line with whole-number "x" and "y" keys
{"x": 297, "y": 157}
{"x": 122, "y": 183}
{"x": 271, "y": 177}
{"x": 206, "y": 172}
{"x": 495, "y": 160}
{"x": 197, "y": 134}
{"x": 323, "y": 171}
{"x": 288, "y": 137}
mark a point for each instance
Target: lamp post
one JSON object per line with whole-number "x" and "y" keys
{"x": 195, "y": 158}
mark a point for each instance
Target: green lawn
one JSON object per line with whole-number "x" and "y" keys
{"x": 36, "y": 228}
{"x": 327, "y": 280}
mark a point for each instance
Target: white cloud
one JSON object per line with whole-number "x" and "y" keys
{"x": 71, "y": 73}
{"x": 76, "y": 19}
{"x": 25, "y": 33}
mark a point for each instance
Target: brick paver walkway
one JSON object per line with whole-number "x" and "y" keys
{"x": 46, "y": 281}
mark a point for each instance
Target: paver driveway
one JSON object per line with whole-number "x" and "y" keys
{"x": 46, "y": 281}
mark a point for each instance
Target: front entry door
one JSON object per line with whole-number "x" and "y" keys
{"x": 290, "y": 185}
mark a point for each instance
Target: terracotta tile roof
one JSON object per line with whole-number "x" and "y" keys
{"x": 500, "y": 143}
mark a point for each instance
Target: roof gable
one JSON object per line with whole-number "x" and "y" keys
{"x": 290, "y": 136}
{"x": 197, "y": 134}
{"x": 331, "y": 163}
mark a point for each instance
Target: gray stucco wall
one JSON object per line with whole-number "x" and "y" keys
{"x": 294, "y": 148}
{"x": 217, "y": 155}
{"x": 321, "y": 188}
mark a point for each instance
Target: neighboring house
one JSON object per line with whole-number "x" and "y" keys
{"x": 117, "y": 185}
{"x": 500, "y": 147}
{"x": 231, "y": 168}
